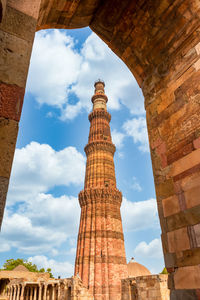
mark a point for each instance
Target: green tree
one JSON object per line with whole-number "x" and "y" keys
{"x": 164, "y": 271}
{"x": 49, "y": 271}
{"x": 42, "y": 270}
{"x": 10, "y": 264}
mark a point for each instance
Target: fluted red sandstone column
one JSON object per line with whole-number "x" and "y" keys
{"x": 17, "y": 31}
{"x": 100, "y": 259}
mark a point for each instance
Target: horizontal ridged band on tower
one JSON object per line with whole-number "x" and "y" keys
{"x": 102, "y": 195}
{"x": 99, "y": 114}
{"x": 100, "y": 145}
{"x": 99, "y": 96}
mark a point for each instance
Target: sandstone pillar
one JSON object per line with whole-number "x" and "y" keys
{"x": 45, "y": 292}
{"x": 15, "y": 292}
{"x": 11, "y": 292}
{"x": 17, "y": 31}
{"x": 32, "y": 293}
{"x": 53, "y": 292}
{"x": 22, "y": 292}
{"x": 18, "y": 291}
{"x": 27, "y": 293}
{"x": 35, "y": 293}
{"x": 59, "y": 292}
{"x": 40, "y": 292}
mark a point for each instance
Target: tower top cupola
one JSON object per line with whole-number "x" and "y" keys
{"x": 99, "y": 99}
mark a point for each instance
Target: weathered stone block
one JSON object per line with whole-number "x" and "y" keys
{"x": 170, "y": 205}
{"x": 14, "y": 59}
{"x": 8, "y": 137}
{"x": 178, "y": 240}
{"x": 27, "y": 7}
{"x": 3, "y": 192}
{"x": 186, "y": 162}
{"x": 18, "y": 24}
{"x": 167, "y": 98}
{"x": 169, "y": 260}
{"x": 165, "y": 189}
{"x": 184, "y": 218}
{"x": 189, "y": 257}
{"x": 197, "y": 143}
{"x": 183, "y": 295}
{"x": 11, "y": 100}
{"x": 197, "y": 233}
{"x": 187, "y": 278}
{"x": 192, "y": 196}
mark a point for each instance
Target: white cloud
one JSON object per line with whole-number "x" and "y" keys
{"x": 135, "y": 185}
{"x": 5, "y": 247}
{"x": 139, "y": 215}
{"x": 100, "y": 62}
{"x": 59, "y": 70}
{"x": 153, "y": 249}
{"x": 38, "y": 167}
{"x": 63, "y": 268}
{"x": 54, "y": 67}
{"x": 34, "y": 221}
{"x": 118, "y": 138}
{"x": 137, "y": 129}
{"x": 41, "y": 225}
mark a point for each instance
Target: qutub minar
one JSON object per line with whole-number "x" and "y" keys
{"x": 100, "y": 257}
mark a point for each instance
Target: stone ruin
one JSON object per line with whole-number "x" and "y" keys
{"x": 20, "y": 284}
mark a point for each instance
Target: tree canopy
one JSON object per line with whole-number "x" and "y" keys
{"x": 10, "y": 264}
{"x": 164, "y": 271}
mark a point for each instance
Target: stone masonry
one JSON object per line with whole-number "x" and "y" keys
{"x": 20, "y": 284}
{"x": 151, "y": 287}
{"x": 100, "y": 259}
{"x": 160, "y": 43}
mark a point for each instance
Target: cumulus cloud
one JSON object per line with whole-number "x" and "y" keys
{"x": 118, "y": 138}
{"x": 137, "y": 129}
{"x": 54, "y": 67}
{"x": 41, "y": 225}
{"x": 60, "y": 74}
{"x": 139, "y": 215}
{"x": 38, "y": 167}
{"x": 153, "y": 249}
{"x": 35, "y": 221}
{"x": 5, "y": 247}
{"x": 63, "y": 268}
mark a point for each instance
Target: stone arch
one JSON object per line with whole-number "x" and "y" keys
{"x": 160, "y": 43}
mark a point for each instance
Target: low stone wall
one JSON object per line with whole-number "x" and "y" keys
{"x": 151, "y": 287}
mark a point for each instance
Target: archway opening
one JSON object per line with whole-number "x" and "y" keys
{"x": 55, "y": 127}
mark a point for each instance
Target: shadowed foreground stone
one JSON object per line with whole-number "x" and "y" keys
{"x": 3, "y": 191}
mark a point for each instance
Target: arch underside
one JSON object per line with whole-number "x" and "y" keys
{"x": 159, "y": 41}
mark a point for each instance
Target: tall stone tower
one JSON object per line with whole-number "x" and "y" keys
{"x": 100, "y": 257}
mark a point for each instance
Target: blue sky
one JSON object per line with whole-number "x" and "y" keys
{"x": 42, "y": 213}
